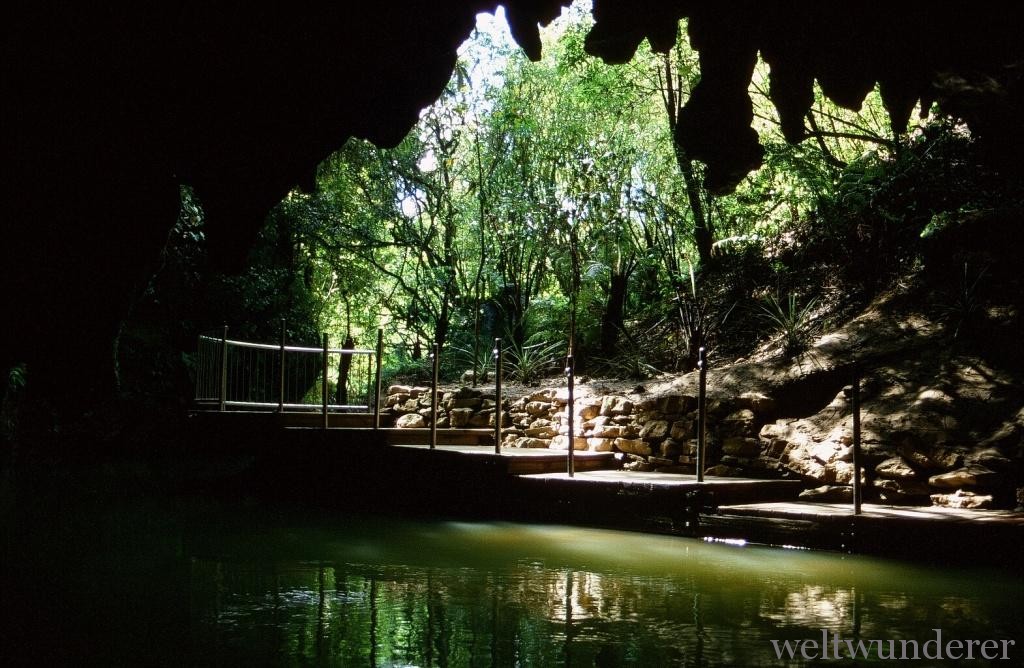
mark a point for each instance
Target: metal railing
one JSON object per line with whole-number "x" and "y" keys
{"x": 242, "y": 375}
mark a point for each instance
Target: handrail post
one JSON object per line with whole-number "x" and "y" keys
{"x": 497, "y": 396}
{"x": 224, "y": 369}
{"x": 435, "y": 359}
{"x": 377, "y": 378}
{"x": 855, "y": 400}
{"x": 280, "y": 389}
{"x": 702, "y": 413}
{"x": 323, "y": 383}
{"x": 570, "y": 373}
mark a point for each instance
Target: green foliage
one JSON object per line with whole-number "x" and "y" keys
{"x": 790, "y": 321}
{"x": 628, "y": 363}
{"x": 532, "y": 360}
{"x": 961, "y": 305}
{"x": 479, "y": 359}
{"x": 548, "y": 202}
{"x": 400, "y": 367}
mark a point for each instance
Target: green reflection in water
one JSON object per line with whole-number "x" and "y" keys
{"x": 171, "y": 584}
{"x": 386, "y": 592}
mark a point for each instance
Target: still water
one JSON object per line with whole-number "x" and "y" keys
{"x": 248, "y": 588}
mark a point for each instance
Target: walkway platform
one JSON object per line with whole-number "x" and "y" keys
{"x": 990, "y": 536}
{"x": 521, "y": 461}
{"x": 714, "y": 489}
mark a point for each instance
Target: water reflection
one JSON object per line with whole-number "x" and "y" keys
{"x": 399, "y": 593}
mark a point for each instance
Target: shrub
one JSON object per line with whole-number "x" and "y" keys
{"x": 790, "y": 321}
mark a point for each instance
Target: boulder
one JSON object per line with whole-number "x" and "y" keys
{"x": 467, "y": 376}
{"x": 676, "y": 403}
{"x": 758, "y": 402}
{"x": 562, "y": 443}
{"x": 480, "y": 420}
{"x": 946, "y": 458}
{"x": 775, "y": 431}
{"x": 738, "y": 423}
{"x": 991, "y": 458}
{"x": 901, "y": 491}
{"x": 776, "y": 447}
{"x": 543, "y": 431}
{"x": 723, "y": 470}
{"x": 670, "y": 448}
{"x": 411, "y": 421}
{"x": 895, "y": 468}
{"x": 607, "y": 431}
{"x": 396, "y": 399}
{"x": 655, "y": 430}
{"x": 825, "y": 452}
{"x": 465, "y": 402}
{"x": 682, "y": 430}
{"x": 527, "y": 442}
{"x": 600, "y": 444}
{"x": 460, "y": 417}
{"x": 739, "y": 446}
{"x": 798, "y": 460}
{"x": 968, "y": 476}
{"x": 841, "y": 473}
{"x": 612, "y": 405}
{"x": 541, "y": 395}
{"x": 537, "y": 408}
{"x": 464, "y": 393}
{"x": 633, "y": 446}
{"x": 962, "y": 499}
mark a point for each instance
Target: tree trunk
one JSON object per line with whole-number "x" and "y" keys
{"x": 614, "y": 313}
{"x": 703, "y": 232}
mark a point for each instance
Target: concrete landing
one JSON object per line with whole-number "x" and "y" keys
{"x": 713, "y": 491}
{"x": 871, "y": 511}
{"x": 525, "y": 461}
{"x": 922, "y": 533}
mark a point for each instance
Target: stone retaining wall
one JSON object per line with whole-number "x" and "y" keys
{"x": 906, "y": 458}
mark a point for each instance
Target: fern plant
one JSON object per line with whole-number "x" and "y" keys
{"x": 963, "y": 302}
{"x": 530, "y": 361}
{"x": 478, "y": 359}
{"x": 628, "y": 363}
{"x": 790, "y": 321}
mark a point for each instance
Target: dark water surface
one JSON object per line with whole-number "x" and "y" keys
{"x": 173, "y": 584}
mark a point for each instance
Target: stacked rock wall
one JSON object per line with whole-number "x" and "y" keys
{"x": 908, "y": 457}
{"x": 653, "y": 433}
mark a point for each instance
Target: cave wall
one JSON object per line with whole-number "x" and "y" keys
{"x": 107, "y": 110}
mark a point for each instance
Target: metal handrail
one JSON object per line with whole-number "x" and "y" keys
{"x": 289, "y": 349}
{"x": 235, "y": 374}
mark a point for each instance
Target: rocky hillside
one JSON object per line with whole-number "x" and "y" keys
{"x": 942, "y": 418}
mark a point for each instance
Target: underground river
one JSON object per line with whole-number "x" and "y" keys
{"x": 212, "y": 585}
